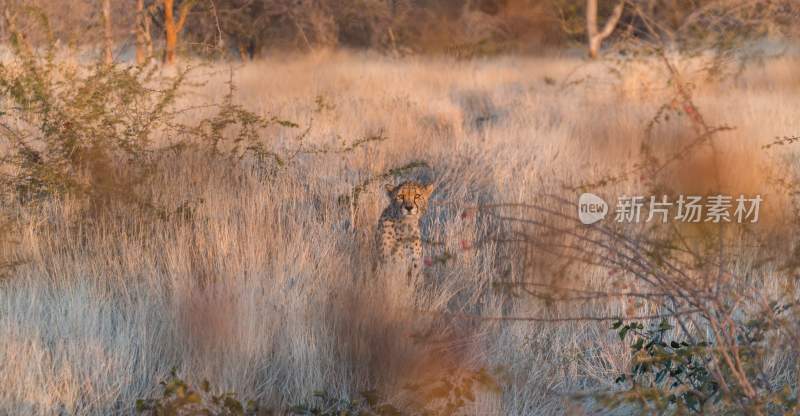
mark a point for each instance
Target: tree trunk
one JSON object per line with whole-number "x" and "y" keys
{"x": 108, "y": 55}
{"x": 172, "y": 28}
{"x": 594, "y": 47}
{"x": 244, "y": 52}
{"x": 594, "y": 37}
{"x": 148, "y": 38}
{"x": 170, "y": 33}
{"x": 392, "y": 42}
{"x": 141, "y": 41}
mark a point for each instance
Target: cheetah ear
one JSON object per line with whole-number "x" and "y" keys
{"x": 389, "y": 189}
{"x": 428, "y": 189}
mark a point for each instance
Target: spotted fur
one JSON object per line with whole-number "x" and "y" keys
{"x": 399, "y": 236}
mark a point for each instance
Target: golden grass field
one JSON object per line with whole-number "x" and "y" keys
{"x": 267, "y": 289}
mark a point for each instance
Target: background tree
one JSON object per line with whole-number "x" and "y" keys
{"x": 172, "y": 27}
{"x": 108, "y": 33}
{"x": 595, "y": 37}
{"x": 144, "y": 41}
{"x": 399, "y": 27}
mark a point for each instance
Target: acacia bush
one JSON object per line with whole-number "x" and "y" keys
{"x": 96, "y": 131}
{"x": 702, "y": 332}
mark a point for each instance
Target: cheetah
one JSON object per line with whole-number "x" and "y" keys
{"x": 399, "y": 237}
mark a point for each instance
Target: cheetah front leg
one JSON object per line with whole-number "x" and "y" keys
{"x": 415, "y": 266}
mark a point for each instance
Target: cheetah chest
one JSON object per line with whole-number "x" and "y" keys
{"x": 400, "y": 241}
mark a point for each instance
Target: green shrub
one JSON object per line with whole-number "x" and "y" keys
{"x": 663, "y": 373}
{"x": 96, "y": 131}
{"x": 371, "y": 403}
{"x": 442, "y": 396}
{"x": 179, "y": 398}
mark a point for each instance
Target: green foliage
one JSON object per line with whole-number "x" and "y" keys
{"x": 87, "y": 131}
{"x": 665, "y": 373}
{"x": 70, "y": 128}
{"x": 441, "y": 396}
{"x": 101, "y": 135}
{"x": 179, "y": 398}
{"x": 371, "y": 403}
{"x": 686, "y": 376}
{"x": 97, "y": 131}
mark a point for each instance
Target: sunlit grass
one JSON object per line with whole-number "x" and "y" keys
{"x": 267, "y": 287}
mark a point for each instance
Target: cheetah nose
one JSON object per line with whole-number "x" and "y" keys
{"x": 409, "y": 208}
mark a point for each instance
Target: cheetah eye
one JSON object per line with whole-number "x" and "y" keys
{"x": 417, "y": 196}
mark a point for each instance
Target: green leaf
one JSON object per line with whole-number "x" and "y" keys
{"x": 142, "y": 405}
{"x": 664, "y": 326}
{"x": 371, "y": 397}
{"x": 233, "y": 405}
{"x": 638, "y": 344}
{"x": 623, "y": 332}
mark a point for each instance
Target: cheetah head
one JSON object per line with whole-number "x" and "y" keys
{"x": 409, "y": 199}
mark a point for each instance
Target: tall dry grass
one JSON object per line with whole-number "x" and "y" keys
{"x": 266, "y": 287}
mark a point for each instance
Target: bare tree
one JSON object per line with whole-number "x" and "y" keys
{"x": 172, "y": 27}
{"x": 594, "y": 37}
{"x": 108, "y": 38}
{"x": 144, "y": 44}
